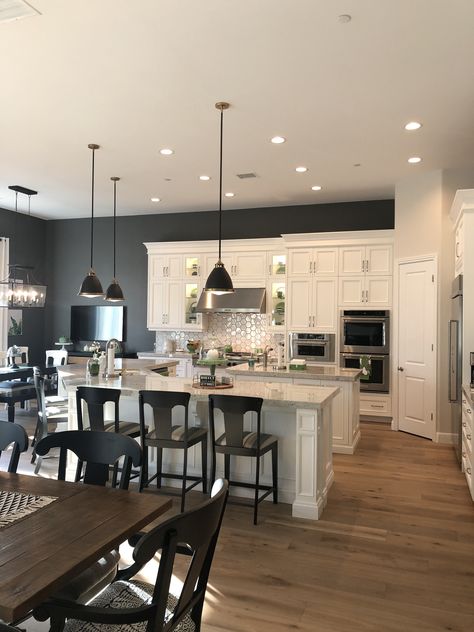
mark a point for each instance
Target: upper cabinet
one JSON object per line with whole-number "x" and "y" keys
{"x": 314, "y": 261}
{"x": 373, "y": 259}
{"x": 241, "y": 265}
{"x": 459, "y": 247}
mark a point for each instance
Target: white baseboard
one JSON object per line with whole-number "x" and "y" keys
{"x": 446, "y": 437}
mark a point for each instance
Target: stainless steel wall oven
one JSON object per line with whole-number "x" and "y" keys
{"x": 365, "y": 344}
{"x": 313, "y": 347}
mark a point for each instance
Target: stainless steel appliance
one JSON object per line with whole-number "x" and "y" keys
{"x": 313, "y": 347}
{"x": 455, "y": 362}
{"x": 365, "y": 331}
{"x": 377, "y": 367}
{"x": 245, "y": 300}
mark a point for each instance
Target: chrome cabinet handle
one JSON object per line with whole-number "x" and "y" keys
{"x": 309, "y": 321}
{"x": 468, "y": 437}
{"x": 366, "y": 265}
{"x": 376, "y": 405}
{"x": 362, "y": 299}
{"x": 464, "y": 424}
{"x": 468, "y": 470}
{"x": 457, "y": 249}
{"x": 366, "y": 296}
{"x": 314, "y": 321}
{"x": 310, "y": 267}
{"x": 468, "y": 410}
{"x": 270, "y": 269}
{"x": 199, "y": 270}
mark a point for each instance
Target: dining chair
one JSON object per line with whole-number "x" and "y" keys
{"x": 235, "y": 441}
{"x": 166, "y": 435}
{"x": 131, "y": 605}
{"x": 97, "y": 452}
{"x": 47, "y": 414}
{"x": 13, "y": 434}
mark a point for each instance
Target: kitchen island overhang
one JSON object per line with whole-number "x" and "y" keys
{"x": 299, "y": 415}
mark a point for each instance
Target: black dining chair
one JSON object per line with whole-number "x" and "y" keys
{"x": 131, "y": 605}
{"x": 15, "y": 435}
{"x": 235, "y": 441}
{"x": 166, "y": 435}
{"x": 97, "y": 452}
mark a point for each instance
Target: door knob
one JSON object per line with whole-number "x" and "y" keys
{"x": 400, "y": 368}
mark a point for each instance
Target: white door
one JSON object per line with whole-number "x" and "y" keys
{"x": 417, "y": 348}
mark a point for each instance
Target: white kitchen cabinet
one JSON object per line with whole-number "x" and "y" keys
{"x": 172, "y": 305}
{"x": 459, "y": 248}
{"x": 155, "y": 312}
{"x": 276, "y": 304}
{"x": 242, "y": 265}
{"x": 312, "y": 304}
{"x": 375, "y": 404}
{"x": 276, "y": 262}
{"x": 165, "y": 266}
{"x": 466, "y": 438}
{"x": 365, "y": 290}
{"x": 314, "y": 261}
{"x": 372, "y": 260}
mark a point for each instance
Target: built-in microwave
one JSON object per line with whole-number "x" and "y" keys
{"x": 365, "y": 331}
{"x": 313, "y": 347}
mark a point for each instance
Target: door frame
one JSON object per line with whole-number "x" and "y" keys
{"x": 395, "y": 337}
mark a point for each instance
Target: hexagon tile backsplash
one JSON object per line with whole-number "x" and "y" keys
{"x": 245, "y": 332}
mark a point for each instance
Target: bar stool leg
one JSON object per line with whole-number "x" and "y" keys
{"x": 159, "y": 466}
{"x": 275, "y": 472}
{"x": 213, "y": 467}
{"x": 144, "y": 470}
{"x": 227, "y": 466}
{"x": 257, "y": 482}
{"x": 183, "y": 488}
{"x": 204, "y": 464}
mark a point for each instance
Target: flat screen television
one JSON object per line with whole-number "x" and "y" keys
{"x": 97, "y": 322}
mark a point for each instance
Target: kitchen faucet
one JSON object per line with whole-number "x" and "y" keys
{"x": 112, "y": 345}
{"x": 265, "y": 355}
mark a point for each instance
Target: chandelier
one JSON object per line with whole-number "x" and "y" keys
{"x": 21, "y": 289}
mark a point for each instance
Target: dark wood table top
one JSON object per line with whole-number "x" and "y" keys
{"x": 41, "y": 552}
{"x": 23, "y": 371}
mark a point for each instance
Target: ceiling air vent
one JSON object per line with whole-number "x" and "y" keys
{"x": 15, "y": 10}
{"x": 243, "y": 176}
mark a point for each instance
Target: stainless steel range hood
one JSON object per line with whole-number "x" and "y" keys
{"x": 248, "y": 300}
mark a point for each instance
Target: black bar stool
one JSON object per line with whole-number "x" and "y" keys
{"x": 237, "y": 442}
{"x": 165, "y": 435}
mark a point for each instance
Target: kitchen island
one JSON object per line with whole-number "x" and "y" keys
{"x": 345, "y": 409}
{"x": 299, "y": 415}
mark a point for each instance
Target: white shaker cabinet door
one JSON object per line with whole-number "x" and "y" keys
{"x": 325, "y": 304}
{"x": 299, "y": 262}
{"x": 325, "y": 261}
{"x": 251, "y": 265}
{"x": 378, "y": 259}
{"x": 378, "y": 291}
{"x": 174, "y": 308}
{"x": 155, "y": 315}
{"x": 351, "y": 260}
{"x": 351, "y": 291}
{"x": 299, "y": 302}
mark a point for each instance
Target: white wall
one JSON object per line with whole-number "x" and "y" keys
{"x": 422, "y": 226}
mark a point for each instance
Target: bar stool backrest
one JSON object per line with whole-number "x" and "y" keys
{"x": 95, "y": 399}
{"x": 233, "y": 409}
{"x": 16, "y": 435}
{"x": 162, "y": 404}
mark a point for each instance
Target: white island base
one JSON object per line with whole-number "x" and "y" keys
{"x": 300, "y": 416}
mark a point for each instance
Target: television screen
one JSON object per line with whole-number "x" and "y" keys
{"x": 97, "y": 322}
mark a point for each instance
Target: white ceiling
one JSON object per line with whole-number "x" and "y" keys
{"x": 138, "y": 76}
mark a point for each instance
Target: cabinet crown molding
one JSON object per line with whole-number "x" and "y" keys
{"x": 463, "y": 201}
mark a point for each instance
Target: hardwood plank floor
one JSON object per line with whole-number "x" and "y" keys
{"x": 393, "y": 551}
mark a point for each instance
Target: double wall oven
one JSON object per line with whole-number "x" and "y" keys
{"x": 365, "y": 344}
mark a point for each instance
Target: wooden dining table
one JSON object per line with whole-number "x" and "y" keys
{"x": 42, "y": 551}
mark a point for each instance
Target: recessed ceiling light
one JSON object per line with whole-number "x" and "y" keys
{"x": 166, "y": 152}
{"x": 229, "y": 194}
{"x": 412, "y": 125}
{"x": 278, "y": 140}
{"x": 316, "y": 187}
{"x": 155, "y": 199}
{"x": 204, "y": 178}
{"x": 301, "y": 169}
{"x": 414, "y": 160}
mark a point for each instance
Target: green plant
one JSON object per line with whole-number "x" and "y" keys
{"x": 15, "y": 328}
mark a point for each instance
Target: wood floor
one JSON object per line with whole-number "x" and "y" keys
{"x": 394, "y": 550}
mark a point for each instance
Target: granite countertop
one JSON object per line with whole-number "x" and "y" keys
{"x": 274, "y": 394}
{"x": 129, "y": 365}
{"x": 157, "y": 354}
{"x": 312, "y": 372}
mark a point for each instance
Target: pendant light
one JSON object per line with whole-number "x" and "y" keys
{"x": 91, "y": 286}
{"x": 114, "y": 292}
{"x": 219, "y": 281}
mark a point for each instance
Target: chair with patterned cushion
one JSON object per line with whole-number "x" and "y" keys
{"x": 97, "y": 451}
{"x": 14, "y": 435}
{"x": 166, "y": 435}
{"x": 130, "y": 605}
{"x": 235, "y": 441}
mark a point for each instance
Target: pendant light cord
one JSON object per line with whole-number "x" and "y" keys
{"x": 115, "y": 215}
{"x": 92, "y": 207}
{"x": 220, "y": 183}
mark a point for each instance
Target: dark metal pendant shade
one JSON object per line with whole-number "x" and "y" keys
{"x": 114, "y": 292}
{"x": 219, "y": 281}
{"x": 91, "y": 286}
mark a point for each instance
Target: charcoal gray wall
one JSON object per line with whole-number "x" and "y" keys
{"x": 68, "y": 250}
{"x": 28, "y": 247}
